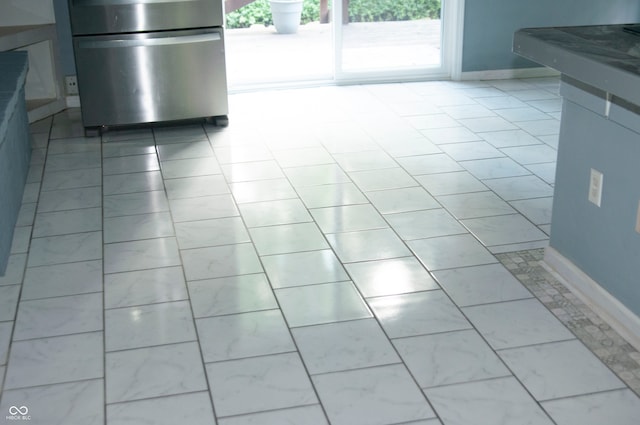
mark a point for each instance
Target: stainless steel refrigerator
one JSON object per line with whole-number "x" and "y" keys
{"x": 147, "y": 61}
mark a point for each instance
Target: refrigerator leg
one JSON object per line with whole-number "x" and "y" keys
{"x": 219, "y": 121}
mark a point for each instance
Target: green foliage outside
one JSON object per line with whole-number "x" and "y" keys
{"x": 259, "y": 12}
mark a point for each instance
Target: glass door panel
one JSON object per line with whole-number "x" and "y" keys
{"x": 388, "y": 35}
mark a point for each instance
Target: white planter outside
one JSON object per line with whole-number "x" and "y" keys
{"x": 286, "y": 15}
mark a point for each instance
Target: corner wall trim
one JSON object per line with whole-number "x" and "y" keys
{"x": 506, "y": 74}
{"x": 621, "y": 319}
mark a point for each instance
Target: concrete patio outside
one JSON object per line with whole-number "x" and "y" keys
{"x": 259, "y": 55}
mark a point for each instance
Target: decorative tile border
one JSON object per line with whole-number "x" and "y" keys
{"x": 588, "y": 327}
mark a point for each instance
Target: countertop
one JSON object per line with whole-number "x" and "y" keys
{"x": 605, "y": 56}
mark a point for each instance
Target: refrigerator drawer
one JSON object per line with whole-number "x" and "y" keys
{"x": 118, "y": 16}
{"x": 151, "y": 77}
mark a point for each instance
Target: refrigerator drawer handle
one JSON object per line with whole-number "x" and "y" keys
{"x": 146, "y": 42}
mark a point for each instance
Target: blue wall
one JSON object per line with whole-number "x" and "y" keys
{"x": 489, "y": 25}
{"x": 602, "y": 241}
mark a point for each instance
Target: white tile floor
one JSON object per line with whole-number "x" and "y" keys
{"x": 327, "y": 258}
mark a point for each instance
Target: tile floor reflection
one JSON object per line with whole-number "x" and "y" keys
{"x": 330, "y": 257}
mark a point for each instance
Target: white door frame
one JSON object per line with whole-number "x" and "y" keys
{"x": 451, "y": 53}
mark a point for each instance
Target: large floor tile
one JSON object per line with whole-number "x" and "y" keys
{"x": 529, "y": 323}
{"x": 419, "y": 313}
{"x": 70, "y": 199}
{"x": 135, "y": 203}
{"x": 331, "y": 195}
{"x": 142, "y": 146}
{"x": 258, "y": 384}
{"x": 130, "y": 164}
{"x": 450, "y": 135}
{"x": 148, "y": 325}
{"x": 314, "y": 175}
{"x": 287, "y": 238}
{"x": 524, "y": 187}
{"x": 62, "y": 279}
{"x": 537, "y": 210}
{"x": 14, "y": 272}
{"x": 620, "y": 407}
{"x": 192, "y": 167}
{"x": 322, "y": 303}
{"x": 368, "y": 160}
{"x": 144, "y": 287}
{"x": 73, "y": 161}
{"x": 449, "y": 252}
{"x": 449, "y": 358}
{"x": 65, "y": 249}
{"x": 67, "y": 222}
{"x": 496, "y": 401}
{"x": 390, "y": 277}
{"x": 533, "y": 154}
{"x": 450, "y": 183}
{"x": 76, "y": 403}
{"x": 494, "y": 168}
{"x": 348, "y": 218}
{"x": 9, "y": 295}
{"x": 367, "y": 245}
{"x": 475, "y": 285}
{"x": 192, "y": 408}
{"x": 309, "y": 415}
{"x": 345, "y": 345}
{"x": 402, "y": 200}
{"x": 203, "y": 233}
{"x": 137, "y": 227}
{"x": 193, "y": 187}
{"x": 285, "y": 270}
{"x": 252, "y": 171}
{"x": 190, "y": 149}
{"x": 504, "y": 229}
{"x": 303, "y": 156}
{"x": 388, "y": 178}
{"x": 230, "y": 295}
{"x": 55, "y": 360}
{"x": 242, "y": 153}
{"x": 140, "y": 255}
{"x": 243, "y": 335}
{"x": 267, "y": 190}
{"x": 559, "y": 369}
{"x": 471, "y": 150}
{"x": 429, "y": 164}
{"x": 273, "y": 213}
{"x": 541, "y": 127}
{"x": 59, "y": 316}
{"x": 131, "y": 183}
{"x": 379, "y": 395}
{"x": 220, "y": 261}
{"x": 74, "y": 145}
{"x": 6, "y": 328}
{"x": 424, "y": 224}
{"x": 477, "y": 204}
{"x": 503, "y": 139}
{"x": 203, "y": 208}
{"x": 153, "y": 372}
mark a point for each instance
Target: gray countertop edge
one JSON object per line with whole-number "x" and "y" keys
{"x": 589, "y": 70}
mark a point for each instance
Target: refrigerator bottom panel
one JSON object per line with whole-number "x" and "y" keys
{"x": 151, "y": 77}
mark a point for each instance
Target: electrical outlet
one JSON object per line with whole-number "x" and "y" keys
{"x": 595, "y": 187}
{"x": 638, "y": 219}
{"x": 71, "y": 83}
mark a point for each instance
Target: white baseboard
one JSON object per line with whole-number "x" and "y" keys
{"x": 507, "y": 74}
{"x": 73, "y": 101}
{"x": 621, "y": 319}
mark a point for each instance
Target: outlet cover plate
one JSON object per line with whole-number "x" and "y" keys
{"x": 595, "y": 187}
{"x": 71, "y": 83}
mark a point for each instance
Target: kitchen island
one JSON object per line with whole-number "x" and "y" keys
{"x": 595, "y": 228}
